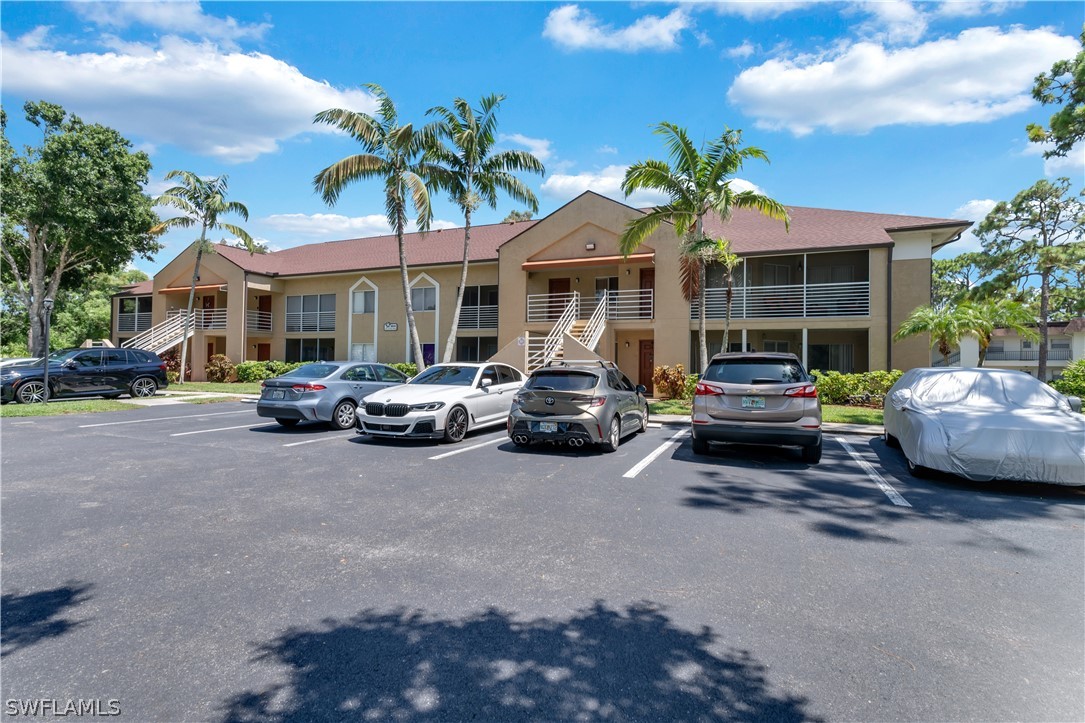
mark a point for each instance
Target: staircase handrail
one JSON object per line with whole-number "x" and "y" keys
{"x": 597, "y": 323}
{"x": 561, "y": 327}
{"x": 159, "y": 333}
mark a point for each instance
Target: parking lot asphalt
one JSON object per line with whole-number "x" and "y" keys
{"x": 203, "y": 564}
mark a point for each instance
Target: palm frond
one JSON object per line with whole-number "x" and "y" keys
{"x": 332, "y": 180}
{"x": 653, "y": 175}
{"x": 689, "y": 277}
{"x": 419, "y": 199}
{"x": 682, "y": 151}
{"x": 764, "y": 205}
{"x": 639, "y": 229}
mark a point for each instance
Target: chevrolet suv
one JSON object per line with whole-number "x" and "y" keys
{"x": 752, "y": 398}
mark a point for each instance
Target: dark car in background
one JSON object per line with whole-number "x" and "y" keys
{"x": 324, "y": 392}
{"x": 578, "y": 403}
{"x": 97, "y": 372}
{"x": 752, "y": 398}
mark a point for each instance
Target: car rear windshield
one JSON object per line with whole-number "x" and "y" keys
{"x": 312, "y": 371}
{"x": 562, "y": 381}
{"x": 450, "y": 375}
{"x": 755, "y": 371}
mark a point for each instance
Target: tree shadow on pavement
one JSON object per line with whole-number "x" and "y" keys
{"x": 28, "y": 619}
{"x": 600, "y": 664}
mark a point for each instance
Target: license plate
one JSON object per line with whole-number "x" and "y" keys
{"x": 548, "y": 426}
{"x": 278, "y": 394}
{"x": 753, "y": 402}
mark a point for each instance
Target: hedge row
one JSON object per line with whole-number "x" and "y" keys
{"x": 865, "y": 388}
{"x": 255, "y": 371}
{"x": 1072, "y": 381}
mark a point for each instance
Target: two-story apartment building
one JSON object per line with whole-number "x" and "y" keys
{"x": 831, "y": 290}
{"x": 1009, "y": 350}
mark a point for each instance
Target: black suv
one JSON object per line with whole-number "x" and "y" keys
{"x": 94, "y": 372}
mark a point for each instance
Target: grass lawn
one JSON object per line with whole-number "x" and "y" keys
{"x": 227, "y": 387}
{"x": 829, "y": 412}
{"x": 65, "y": 406}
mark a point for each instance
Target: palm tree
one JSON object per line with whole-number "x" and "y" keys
{"x": 694, "y": 258}
{"x": 990, "y": 314}
{"x": 698, "y": 181}
{"x": 945, "y": 326}
{"x": 392, "y": 153}
{"x": 201, "y": 202}
{"x": 472, "y": 174}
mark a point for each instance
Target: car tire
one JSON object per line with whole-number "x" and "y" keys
{"x": 614, "y": 436}
{"x": 32, "y": 392}
{"x": 890, "y": 440}
{"x": 344, "y": 415}
{"x": 812, "y": 454}
{"x": 455, "y": 425}
{"x": 287, "y": 422}
{"x": 700, "y": 446}
{"x": 917, "y": 470}
{"x": 142, "y": 388}
{"x": 644, "y": 421}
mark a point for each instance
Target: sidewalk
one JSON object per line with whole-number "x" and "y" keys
{"x": 868, "y": 430}
{"x": 170, "y": 396}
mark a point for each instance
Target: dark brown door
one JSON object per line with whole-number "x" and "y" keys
{"x": 647, "y": 362}
{"x": 647, "y": 283}
{"x": 558, "y": 286}
{"x": 263, "y": 351}
{"x": 210, "y": 349}
{"x": 209, "y": 302}
{"x": 263, "y": 303}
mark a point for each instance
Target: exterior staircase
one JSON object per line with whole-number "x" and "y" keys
{"x": 161, "y": 337}
{"x": 587, "y": 332}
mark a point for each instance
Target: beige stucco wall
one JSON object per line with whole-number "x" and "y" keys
{"x": 911, "y": 289}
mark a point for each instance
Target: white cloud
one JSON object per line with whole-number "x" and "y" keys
{"x": 539, "y": 147}
{"x": 606, "y": 149}
{"x": 1072, "y": 165}
{"x": 337, "y": 226}
{"x": 975, "y": 211}
{"x": 973, "y": 8}
{"x": 175, "y": 17}
{"x": 228, "y": 105}
{"x": 892, "y": 21}
{"x": 758, "y": 9}
{"x": 575, "y": 29}
{"x": 981, "y": 75}
{"x": 742, "y": 51}
{"x": 608, "y": 182}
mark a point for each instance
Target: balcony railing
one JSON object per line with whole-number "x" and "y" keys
{"x": 203, "y": 318}
{"x": 795, "y": 300}
{"x": 478, "y": 317}
{"x": 627, "y": 304}
{"x": 1057, "y": 354}
{"x": 937, "y": 360}
{"x": 133, "y": 322}
{"x": 548, "y": 307}
{"x": 258, "y": 320}
{"x": 310, "y": 321}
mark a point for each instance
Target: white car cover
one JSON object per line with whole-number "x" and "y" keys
{"x": 985, "y": 424}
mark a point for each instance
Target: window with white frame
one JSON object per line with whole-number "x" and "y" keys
{"x": 363, "y": 352}
{"x": 424, "y": 298}
{"x": 310, "y": 312}
{"x": 780, "y": 347}
{"x": 364, "y": 302}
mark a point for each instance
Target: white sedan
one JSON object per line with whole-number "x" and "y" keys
{"x": 985, "y": 424}
{"x": 442, "y": 402}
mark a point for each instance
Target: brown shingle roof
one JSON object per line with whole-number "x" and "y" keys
{"x": 138, "y": 289}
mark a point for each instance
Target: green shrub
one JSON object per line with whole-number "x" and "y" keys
{"x": 865, "y": 389}
{"x": 408, "y": 368}
{"x": 13, "y": 349}
{"x": 172, "y": 360}
{"x": 219, "y": 368}
{"x": 670, "y": 382}
{"x": 1072, "y": 381}
{"x": 255, "y": 371}
{"x": 691, "y": 385}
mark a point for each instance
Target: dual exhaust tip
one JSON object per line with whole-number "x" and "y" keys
{"x": 524, "y": 439}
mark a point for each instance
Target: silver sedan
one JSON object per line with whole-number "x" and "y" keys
{"x": 324, "y": 392}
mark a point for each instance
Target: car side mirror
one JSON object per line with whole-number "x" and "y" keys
{"x": 1075, "y": 403}
{"x": 641, "y": 389}
{"x": 486, "y": 383}
{"x": 68, "y": 364}
{"x": 813, "y": 377}
{"x": 900, "y": 398}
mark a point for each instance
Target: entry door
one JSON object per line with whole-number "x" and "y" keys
{"x": 263, "y": 352}
{"x": 558, "y": 286}
{"x": 647, "y": 283}
{"x": 210, "y": 349}
{"x": 209, "y": 302}
{"x": 647, "y": 362}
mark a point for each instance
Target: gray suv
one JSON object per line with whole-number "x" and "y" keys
{"x": 753, "y": 398}
{"x": 578, "y": 403}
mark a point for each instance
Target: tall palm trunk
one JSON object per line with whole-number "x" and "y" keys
{"x": 450, "y": 345}
{"x": 701, "y": 280}
{"x": 191, "y": 301}
{"x": 1045, "y": 296}
{"x": 727, "y": 312}
{"x": 412, "y": 330}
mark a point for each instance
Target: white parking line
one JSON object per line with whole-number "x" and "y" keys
{"x": 639, "y": 466}
{"x": 223, "y": 429}
{"x": 161, "y": 419}
{"x": 319, "y": 439}
{"x": 502, "y": 438}
{"x": 873, "y": 474}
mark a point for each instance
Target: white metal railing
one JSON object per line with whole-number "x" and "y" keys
{"x": 593, "y": 330}
{"x": 478, "y": 317}
{"x": 937, "y": 360}
{"x": 161, "y": 336}
{"x": 258, "y": 320}
{"x": 310, "y": 321}
{"x": 631, "y": 304}
{"x": 1055, "y": 354}
{"x": 203, "y": 318}
{"x": 549, "y": 307}
{"x": 795, "y": 300}
{"x": 540, "y": 355}
{"x": 132, "y": 321}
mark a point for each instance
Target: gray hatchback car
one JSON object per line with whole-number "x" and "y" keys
{"x": 578, "y": 403}
{"x": 753, "y": 398}
{"x": 324, "y": 391}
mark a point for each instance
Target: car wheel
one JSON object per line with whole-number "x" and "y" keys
{"x": 812, "y": 454}
{"x": 286, "y": 422}
{"x": 455, "y": 424}
{"x": 143, "y": 387}
{"x": 31, "y": 393}
{"x": 644, "y": 421}
{"x": 614, "y": 436}
{"x": 344, "y": 415}
{"x": 890, "y": 440}
{"x": 917, "y": 470}
{"x": 700, "y": 446}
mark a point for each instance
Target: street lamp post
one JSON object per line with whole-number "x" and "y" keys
{"x": 48, "y": 305}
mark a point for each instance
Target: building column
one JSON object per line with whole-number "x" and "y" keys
{"x": 744, "y": 344}
{"x": 970, "y": 351}
{"x": 805, "y": 340}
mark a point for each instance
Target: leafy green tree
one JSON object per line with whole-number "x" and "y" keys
{"x": 460, "y": 145}
{"x": 1036, "y": 237}
{"x": 945, "y": 327}
{"x": 392, "y": 154}
{"x": 517, "y": 216}
{"x": 696, "y": 182}
{"x": 953, "y": 280}
{"x": 201, "y": 202}
{"x": 72, "y": 207}
{"x": 986, "y": 315}
{"x": 1065, "y": 84}
{"x": 86, "y": 313}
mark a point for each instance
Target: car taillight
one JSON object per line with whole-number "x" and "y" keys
{"x": 162, "y": 366}
{"x": 707, "y": 390}
{"x": 262, "y": 384}
{"x": 307, "y": 387}
{"x": 598, "y": 401}
{"x": 807, "y": 391}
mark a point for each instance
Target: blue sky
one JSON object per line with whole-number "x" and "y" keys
{"x": 895, "y": 107}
